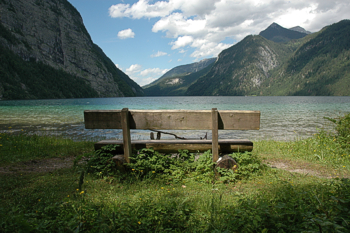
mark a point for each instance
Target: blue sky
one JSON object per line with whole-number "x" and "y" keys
{"x": 146, "y": 38}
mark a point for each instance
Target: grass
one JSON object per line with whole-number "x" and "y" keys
{"x": 16, "y": 148}
{"x": 265, "y": 199}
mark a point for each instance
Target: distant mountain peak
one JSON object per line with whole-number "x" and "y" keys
{"x": 277, "y": 33}
{"x": 299, "y": 29}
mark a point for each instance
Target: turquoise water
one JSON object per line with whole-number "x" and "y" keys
{"x": 282, "y": 118}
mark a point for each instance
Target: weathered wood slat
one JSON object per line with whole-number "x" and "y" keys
{"x": 173, "y": 119}
{"x": 172, "y": 146}
{"x": 125, "y": 119}
{"x": 215, "y": 133}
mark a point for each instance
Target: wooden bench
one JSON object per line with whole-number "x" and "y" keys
{"x": 213, "y": 120}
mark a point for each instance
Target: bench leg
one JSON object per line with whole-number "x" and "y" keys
{"x": 126, "y": 134}
{"x": 215, "y": 134}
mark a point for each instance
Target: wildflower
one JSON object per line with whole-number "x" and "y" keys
{"x": 39, "y": 200}
{"x": 77, "y": 189}
{"x": 133, "y": 169}
{"x": 162, "y": 188}
{"x": 68, "y": 196}
{"x": 153, "y": 172}
{"x": 141, "y": 170}
{"x": 184, "y": 186}
{"x": 139, "y": 222}
{"x": 81, "y": 192}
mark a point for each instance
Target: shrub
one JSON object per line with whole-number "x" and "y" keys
{"x": 342, "y": 129}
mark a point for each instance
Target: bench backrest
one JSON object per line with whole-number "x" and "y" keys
{"x": 172, "y": 120}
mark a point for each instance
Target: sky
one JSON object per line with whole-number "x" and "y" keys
{"x": 147, "y": 38}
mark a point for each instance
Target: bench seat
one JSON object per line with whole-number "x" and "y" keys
{"x": 173, "y": 145}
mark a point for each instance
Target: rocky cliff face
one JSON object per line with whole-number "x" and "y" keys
{"x": 52, "y": 32}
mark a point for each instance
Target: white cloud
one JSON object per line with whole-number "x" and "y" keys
{"x": 140, "y": 9}
{"x": 159, "y": 54}
{"x": 127, "y": 33}
{"x": 146, "y": 76}
{"x": 135, "y": 68}
{"x": 153, "y": 71}
{"x": 205, "y": 24}
{"x": 182, "y": 41}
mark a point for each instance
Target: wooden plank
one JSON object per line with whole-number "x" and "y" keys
{"x": 173, "y": 119}
{"x": 239, "y": 120}
{"x": 170, "y": 119}
{"x": 102, "y": 119}
{"x": 126, "y": 134}
{"x": 172, "y": 146}
{"x": 215, "y": 134}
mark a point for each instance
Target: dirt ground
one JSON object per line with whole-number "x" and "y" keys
{"x": 43, "y": 165}
{"x": 49, "y": 165}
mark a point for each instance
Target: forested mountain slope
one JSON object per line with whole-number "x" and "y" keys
{"x": 317, "y": 64}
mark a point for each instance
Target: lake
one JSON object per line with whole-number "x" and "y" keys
{"x": 282, "y": 118}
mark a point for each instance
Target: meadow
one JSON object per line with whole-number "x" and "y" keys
{"x": 295, "y": 186}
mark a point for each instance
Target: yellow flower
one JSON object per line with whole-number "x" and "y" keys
{"x": 141, "y": 170}
{"x": 133, "y": 169}
{"x": 68, "y": 196}
{"x": 81, "y": 192}
{"x": 162, "y": 188}
{"x": 77, "y": 189}
{"x": 39, "y": 200}
{"x": 139, "y": 222}
{"x": 153, "y": 172}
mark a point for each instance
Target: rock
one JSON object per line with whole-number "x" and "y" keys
{"x": 227, "y": 162}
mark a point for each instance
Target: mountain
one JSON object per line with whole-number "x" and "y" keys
{"x": 46, "y": 52}
{"x": 177, "y": 80}
{"x": 241, "y": 68}
{"x": 317, "y": 64}
{"x": 280, "y": 34}
{"x": 320, "y": 66}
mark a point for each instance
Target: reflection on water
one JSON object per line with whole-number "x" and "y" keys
{"x": 282, "y": 118}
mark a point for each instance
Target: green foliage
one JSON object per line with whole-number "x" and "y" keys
{"x": 249, "y": 165}
{"x": 149, "y": 164}
{"x": 100, "y": 162}
{"x": 342, "y": 130}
